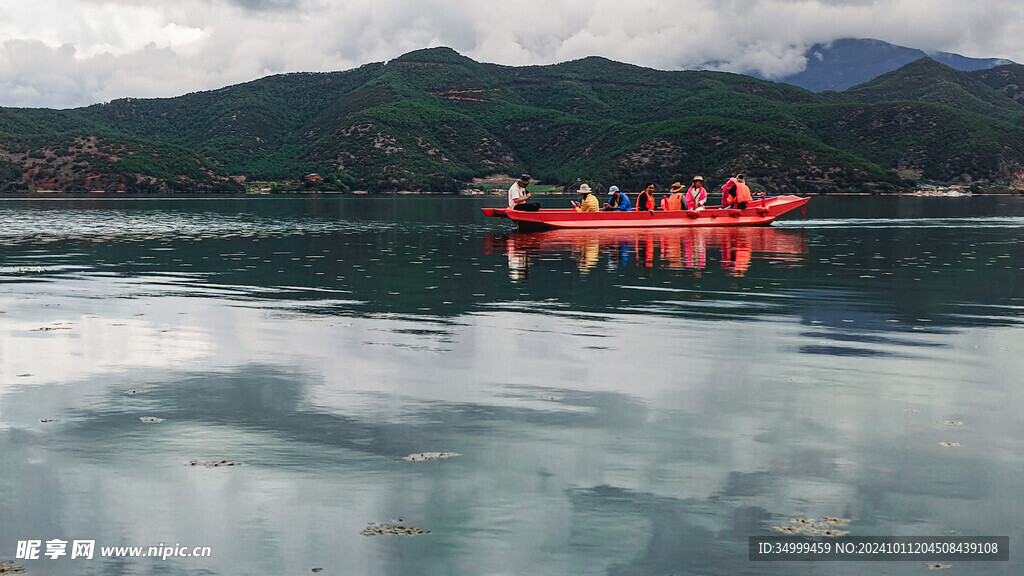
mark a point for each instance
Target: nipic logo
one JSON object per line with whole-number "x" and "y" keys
{"x": 34, "y": 550}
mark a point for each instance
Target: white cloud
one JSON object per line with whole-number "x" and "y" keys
{"x": 64, "y": 53}
{"x": 95, "y": 28}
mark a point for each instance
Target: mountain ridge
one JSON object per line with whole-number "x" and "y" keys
{"x": 846, "y": 62}
{"x": 434, "y": 119}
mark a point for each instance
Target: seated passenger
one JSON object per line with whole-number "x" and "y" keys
{"x": 696, "y": 196}
{"x": 518, "y": 196}
{"x": 735, "y": 193}
{"x": 645, "y": 199}
{"x": 674, "y": 201}
{"x": 589, "y": 203}
{"x": 617, "y": 201}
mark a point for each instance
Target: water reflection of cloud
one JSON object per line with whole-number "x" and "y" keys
{"x": 826, "y": 350}
{"x": 679, "y": 427}
{"x": 676, "y": 532}
{"x": 631, "y": 465}
{"x": 70, "y": 348}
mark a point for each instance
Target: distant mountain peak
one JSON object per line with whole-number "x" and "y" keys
{"x": 847, "y": 62}
{"x": 439, "y": 54}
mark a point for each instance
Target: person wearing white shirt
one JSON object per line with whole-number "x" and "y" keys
{"x": 518, "y": 196}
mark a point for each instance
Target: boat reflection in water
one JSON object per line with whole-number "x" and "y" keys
{"x": 684, "y": 248}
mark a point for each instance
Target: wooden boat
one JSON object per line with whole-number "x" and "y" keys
{"x": 757, "y": 213}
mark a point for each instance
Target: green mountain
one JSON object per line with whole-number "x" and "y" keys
{"x": 435, "y": 120}
{"x": 1006, "y": 79}
{"x": 926, "y": 80}
{"x": 57, "y": 150}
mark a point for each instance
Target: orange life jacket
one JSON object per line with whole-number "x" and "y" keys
{"x": 673, "y": 202}
{"x": 647, "y": 205}
{"x": 743, "y": 193}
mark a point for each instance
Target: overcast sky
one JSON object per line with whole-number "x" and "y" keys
{"x": 68, "y": 53}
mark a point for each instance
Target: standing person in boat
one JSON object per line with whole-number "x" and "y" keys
{"x": 617, "y": 201}
{"x": 674, "y": 200}
{"x": 696, "y": 196}
{"x": 645, "y": 199}
{"x": 589, "y": 202}
{"x": 518, "y": 196}
{"x": 735, "y": 193}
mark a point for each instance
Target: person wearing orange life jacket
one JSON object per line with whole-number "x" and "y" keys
{"x": 735, "y": 193}
{"x": 696, "y": 196}
{"x": 674, "y": 201}
{"x": 645, "y": 199}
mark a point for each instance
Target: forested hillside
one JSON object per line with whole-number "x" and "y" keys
{"x": 435, "y": 120}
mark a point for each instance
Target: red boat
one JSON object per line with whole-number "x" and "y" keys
{"x": 757, "y": 213}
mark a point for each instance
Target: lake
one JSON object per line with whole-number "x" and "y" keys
{"x": 252, "y": 375}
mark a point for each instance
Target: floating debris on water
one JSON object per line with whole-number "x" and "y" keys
{"x": 936, "y": 566}
{"x": 134, "y": 392}
{"x": 215, "y": 463}
{"x": 953, "y": 423}
{"x": 47, "y": 420}
{"x": 811, "y": 527}
{"x": 151, "y": 419}
{"x": 317, "y": 570}
{"x": 396, "y": 529}
{"x": 25, "y": 375}
{"x": 430, "y": 456}
{"x": 910, "y": 411}
{"x": 949, "y": 444}
{"x": 50, "y": 328}
{"x": 553, "y": 398}
{"x": 8, "y": 567}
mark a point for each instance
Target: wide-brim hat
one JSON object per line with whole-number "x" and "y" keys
{"x": 525, "y": 179}
{"x": 698, "y": 179}
{"x": 584, "y": 189}
{"x": 676, "y": 186}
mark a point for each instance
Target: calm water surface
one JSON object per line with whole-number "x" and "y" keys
{"x": 623, "y": 402}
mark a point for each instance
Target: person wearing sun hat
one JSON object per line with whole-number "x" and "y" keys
{"x": 518, "y": 196}
{"x": 696, "y": 196}
{"x": 674, "y": 200}
{"x": 589, "y": 202}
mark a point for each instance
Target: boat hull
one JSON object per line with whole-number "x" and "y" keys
{"x": 758, "y": 213}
